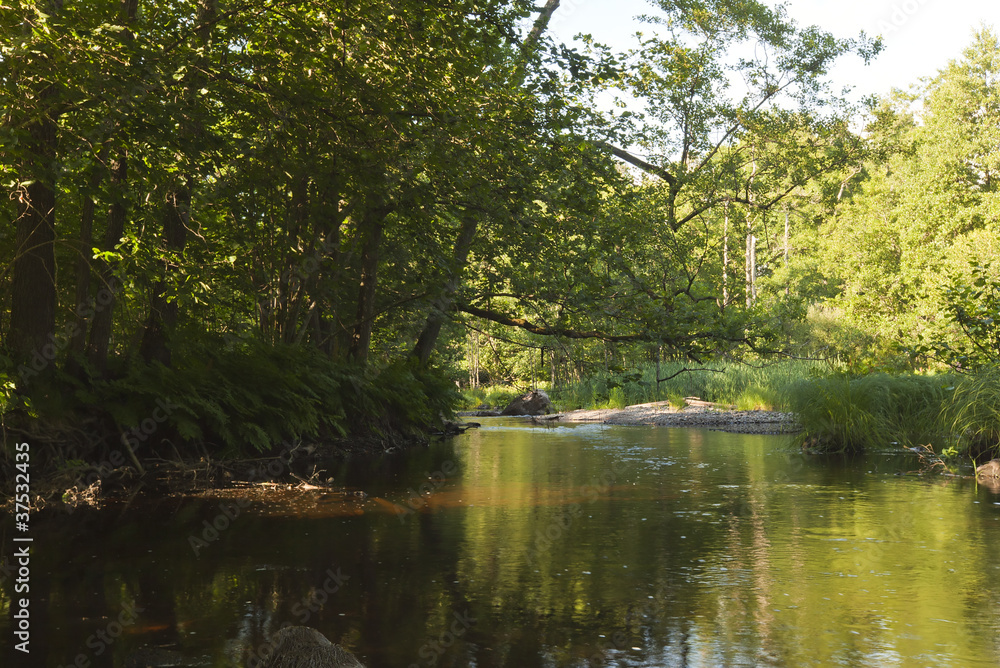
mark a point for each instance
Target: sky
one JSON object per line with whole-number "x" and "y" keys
{"x": 920, "y": 36}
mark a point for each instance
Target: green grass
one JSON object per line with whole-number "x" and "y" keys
{"x": 494, "y": 396}
{"x": 749, "y": 387}
{"x": 973, "y": 414}
{"x": 841, "y": 414}
{"x": 951, "y": 414}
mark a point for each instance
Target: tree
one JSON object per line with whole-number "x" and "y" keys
{"x": 927, "y": 207}
{"x": 648, "y": 267}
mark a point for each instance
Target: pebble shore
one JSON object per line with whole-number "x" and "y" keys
{"x": 661, "y": 414}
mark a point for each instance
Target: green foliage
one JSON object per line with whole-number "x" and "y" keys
{"x": 616, "y": 398}
{"x": 844, "y": 414}
{"x": 973, "y": 306}
{"x": 253, "y": 397}
{"x": 755, "y": 398}
{"x": 243, "y": 398}
{"x": 909, "y": 246}
{"x": 494, "y": 396}
{"x": 973, "y": 415}
{"x": 747, "y": 386}
{"x": 289, "y": 231}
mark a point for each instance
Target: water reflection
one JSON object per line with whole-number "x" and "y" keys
{"x": 547, "y": 546}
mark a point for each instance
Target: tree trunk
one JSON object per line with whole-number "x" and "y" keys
{"x": 373, "y": 226}
{"x": 540, "y": 26}
{"x": 103, "y": 311}
{"x": 786, "y": 249}
{"x": 751, "y": 267}
{"x": 33, "y": 304}
{"x": 725, "y": 260}
{"x": 163, "y": 313}
{"x": 84, "y": 262}
{"x": 440, "y": 307}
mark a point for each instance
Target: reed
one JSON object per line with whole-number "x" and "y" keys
{"x": 746, "y": 386}
{"x": 841, "y": 414}
{"x": 973, "y": 414}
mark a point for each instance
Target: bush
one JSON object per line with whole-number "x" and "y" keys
{"x": 249, "y": 397}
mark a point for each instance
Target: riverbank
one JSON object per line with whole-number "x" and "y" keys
{"x": 75, "y": 483}
{"x": 663, "y": 414}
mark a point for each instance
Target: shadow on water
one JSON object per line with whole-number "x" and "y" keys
{"x": 528, "y": 546}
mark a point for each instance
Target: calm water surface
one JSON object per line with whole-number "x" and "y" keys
{"x": 526, "y": 546}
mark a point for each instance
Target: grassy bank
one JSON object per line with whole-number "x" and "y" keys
{"x": 952, "y": 414}
{"x": 762, "y": 386}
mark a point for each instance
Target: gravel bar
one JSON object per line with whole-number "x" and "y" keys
{"x": 661, "y": 414}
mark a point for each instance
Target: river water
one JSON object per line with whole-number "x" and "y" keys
{"x": 524, "y": 546}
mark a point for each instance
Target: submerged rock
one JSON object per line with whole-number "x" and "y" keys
{"x": 990, "y": 469}
{"x": 304, "y": 647}
{"x": 535, "y": 402}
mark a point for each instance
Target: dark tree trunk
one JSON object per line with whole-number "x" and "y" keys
{"x": 296, "y": 266}
{"x": 33, "y": 304}
{"x": 440, "y": 307}
{"x": 162, "y": 316}
{"x": 103, "y": 309}
{"x": 85, "y": 245}
{"x": 163, "y": 313}
{"x": 373, "y": 224}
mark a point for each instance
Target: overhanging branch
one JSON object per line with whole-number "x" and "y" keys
{"x": 637, "y": 161}
{"x": 528, "y": 326}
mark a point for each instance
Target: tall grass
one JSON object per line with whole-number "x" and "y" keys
{"x": 973, "y": 414}
{"x": 878, "y": 410}
{"x": 748, "y": 387}
{"x": 745, "y": 386}
{"x": 951, "y": 413}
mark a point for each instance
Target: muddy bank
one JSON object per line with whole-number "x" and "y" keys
{"x": 662, "y": 414}
{"x": 59, "y": 482}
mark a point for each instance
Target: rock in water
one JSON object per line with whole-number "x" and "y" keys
{"x": 303, "y": 647}
{"x": 990, "y": 469}
{"x": 535, "y": 402}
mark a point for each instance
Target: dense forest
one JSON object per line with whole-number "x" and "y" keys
{"x": 238, "y": 225}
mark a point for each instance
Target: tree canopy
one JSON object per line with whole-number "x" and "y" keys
{"x": 368, "y": 188}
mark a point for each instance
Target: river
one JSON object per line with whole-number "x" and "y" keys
{"x": 530, "y": 546}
